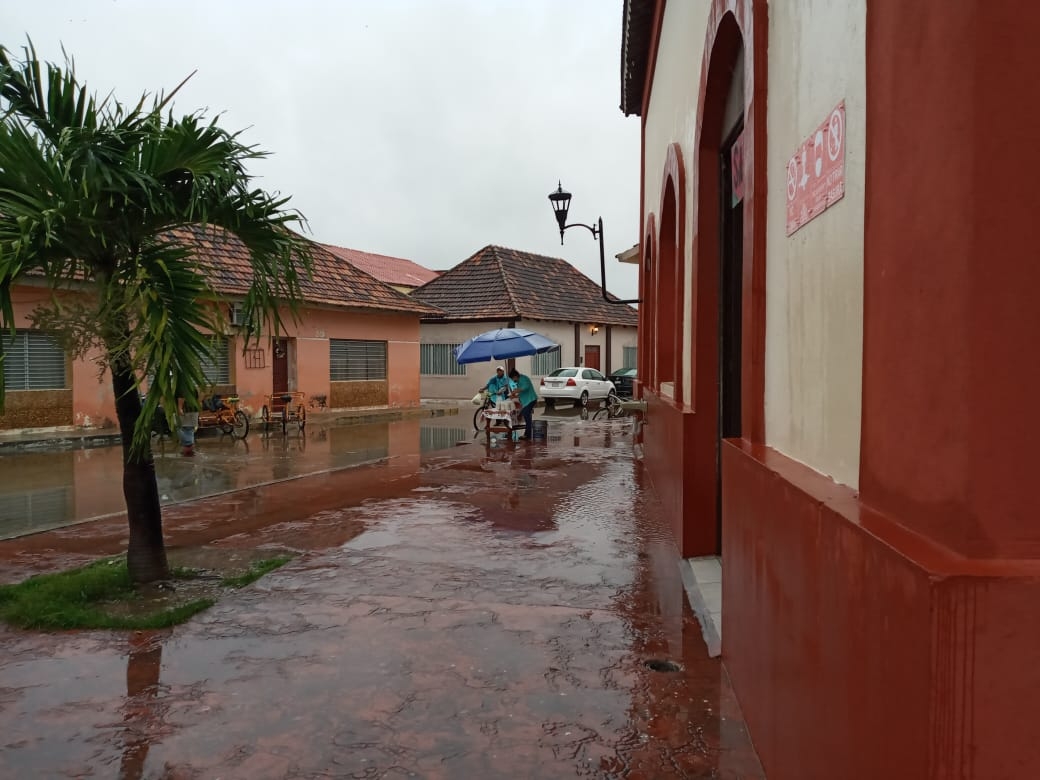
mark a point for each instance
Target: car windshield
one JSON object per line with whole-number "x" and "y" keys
{"x": 565, "y": 372}
{"x": 625, "y": 372}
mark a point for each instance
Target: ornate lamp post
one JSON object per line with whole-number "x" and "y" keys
{"x": 561, "y": 203}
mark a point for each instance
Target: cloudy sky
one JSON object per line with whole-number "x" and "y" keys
{"x": 423, "y": 129}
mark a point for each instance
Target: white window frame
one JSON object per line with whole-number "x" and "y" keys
{"x": 547, "y": 362}
{"x": 356, "y": 360}
{"x": 34, "y": 360}
{"x": 439, "y": 360}
{"x": 216, "y": 367}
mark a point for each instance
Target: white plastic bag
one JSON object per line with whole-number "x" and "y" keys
{"x": 478, "y": 399}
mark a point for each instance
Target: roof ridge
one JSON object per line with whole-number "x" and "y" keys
{"x": 333, "y": 247}
{"x": 332, "y": 281}
{"x": 507, "y": 282}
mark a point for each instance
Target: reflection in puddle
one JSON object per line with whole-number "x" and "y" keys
{"x": 43, "y": 490}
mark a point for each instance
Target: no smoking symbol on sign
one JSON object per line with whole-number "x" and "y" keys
{"x": 816, "y": 172}
{"x": 836, "y": 140}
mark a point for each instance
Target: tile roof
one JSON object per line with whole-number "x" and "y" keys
{"x": 501, "y": 283}
{"x": 390, "y": 270}
{"x": 333, "y": 281}
{"x": 637, "y": 22}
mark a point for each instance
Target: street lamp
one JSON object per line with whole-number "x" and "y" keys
{"x": 561, "y": 203}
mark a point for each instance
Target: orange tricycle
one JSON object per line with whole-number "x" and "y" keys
{"x": 285, "y": 409}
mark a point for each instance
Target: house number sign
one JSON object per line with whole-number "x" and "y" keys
{"x": 816, "y": 172}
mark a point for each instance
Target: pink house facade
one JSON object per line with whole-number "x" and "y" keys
{"x": 356, "y": 344}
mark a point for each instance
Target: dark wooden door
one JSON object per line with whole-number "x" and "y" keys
{"x": 280, "y": 366}
{"x": 592, "y": 356}
{"x": 731, "y": 285}
{"x": 279, "y": 374}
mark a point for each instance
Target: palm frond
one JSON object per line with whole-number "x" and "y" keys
{"x": 89, "y": 193}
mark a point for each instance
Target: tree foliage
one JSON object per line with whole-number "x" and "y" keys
{"x": 94, "y": 197}
{"x": 90, "y": 194}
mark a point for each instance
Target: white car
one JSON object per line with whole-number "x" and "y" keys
{"x": 577, "y": 384}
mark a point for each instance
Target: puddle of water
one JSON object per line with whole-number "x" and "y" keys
{"x": 46, "y": 490}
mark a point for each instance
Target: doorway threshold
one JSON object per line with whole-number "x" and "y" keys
{"x": 702, "y": 580}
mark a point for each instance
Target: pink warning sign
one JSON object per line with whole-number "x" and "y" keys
{"x": 816, "y": 173}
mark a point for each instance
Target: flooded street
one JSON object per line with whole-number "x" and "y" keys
{"x": 467, "y": 612}
{"x": 49, "y": 489}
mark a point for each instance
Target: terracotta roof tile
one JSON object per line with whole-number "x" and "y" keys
{"x": 637, "y": 21}
{"x": 501, "y": 283}
{"x": 390, "y": 270}
{"x": 333, "y": 282}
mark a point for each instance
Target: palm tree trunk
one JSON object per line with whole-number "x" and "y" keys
{"x": 146, "y": 553}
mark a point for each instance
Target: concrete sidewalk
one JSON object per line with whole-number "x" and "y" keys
{"x": 489, "y": 611}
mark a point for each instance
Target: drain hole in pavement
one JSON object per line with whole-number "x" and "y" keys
{"x": 662, "y": 665}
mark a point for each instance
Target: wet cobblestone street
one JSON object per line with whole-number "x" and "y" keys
{"x": 475, "y": 612}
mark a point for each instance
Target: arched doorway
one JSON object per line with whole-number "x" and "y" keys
{"x": 728, "y": 255}
{"x": 665, "y": 315}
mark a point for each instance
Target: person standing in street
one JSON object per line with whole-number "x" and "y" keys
{"x": 187, "y": 423}
{"x": 527, "y": 397}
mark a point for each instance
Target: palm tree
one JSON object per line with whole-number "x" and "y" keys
{"x": 90, "y": 191}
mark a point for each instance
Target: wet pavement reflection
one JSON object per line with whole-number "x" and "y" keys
{"x": 43, "y": 490}
{"x": 483, "y": 611}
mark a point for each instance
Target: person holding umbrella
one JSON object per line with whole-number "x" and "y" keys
{"x": 524, "y": 392}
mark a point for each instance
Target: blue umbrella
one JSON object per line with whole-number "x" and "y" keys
{"x": 502, "y": 344}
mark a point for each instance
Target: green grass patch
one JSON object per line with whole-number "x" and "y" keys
{"x": 102, "y": 596}
{"x": 257, "y": 570}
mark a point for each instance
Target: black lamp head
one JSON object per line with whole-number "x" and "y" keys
{"x": 561, "y": 202}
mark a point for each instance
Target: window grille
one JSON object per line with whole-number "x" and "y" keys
{"x": 438, "y": 359}
{"x": 545, "y": 363}
{"x": 33, "y": 361}
{"x": 216, "y": 367}
{"x": 356, "y": 361}
{"x": 629, "y": 356}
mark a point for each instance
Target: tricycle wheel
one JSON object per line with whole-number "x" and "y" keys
{"x": 241, "y": 427}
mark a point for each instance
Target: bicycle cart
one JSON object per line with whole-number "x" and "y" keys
{"x": 285, "y": 409}
{"x": 479, "y": 416}
{"x": 217, "y": 411}
{"x": 501, "y": 421}
{"x": 221, "y": 411}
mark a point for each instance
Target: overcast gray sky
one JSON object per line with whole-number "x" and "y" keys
{"x": 423, "y": 129}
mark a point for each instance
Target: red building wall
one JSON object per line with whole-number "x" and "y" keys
{"x": 889, "y": 632}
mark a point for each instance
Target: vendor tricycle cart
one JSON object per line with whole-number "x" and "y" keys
{"x": 285, "y": 409}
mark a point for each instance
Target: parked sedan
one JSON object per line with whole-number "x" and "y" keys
{"x": 624, "y": 381}
{"x": 577, "y": 384}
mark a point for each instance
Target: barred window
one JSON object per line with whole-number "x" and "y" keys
{"x": 216, "y": 367}
{"x": 438, "y": 359}
{"x": 33, "y": 361}
{"x": 628, "y": 357}
{"x": 356, "y": 361}
{"x": 545, "y": 363}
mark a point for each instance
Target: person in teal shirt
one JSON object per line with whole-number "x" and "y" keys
{"x": 525, "y": 393}
{"x": 499, "y": 386}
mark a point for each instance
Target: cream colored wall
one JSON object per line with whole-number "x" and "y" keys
{"x": 477, "y": 374}
{"x": 671, "y": 117}
{"x": 814, "y": 278}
